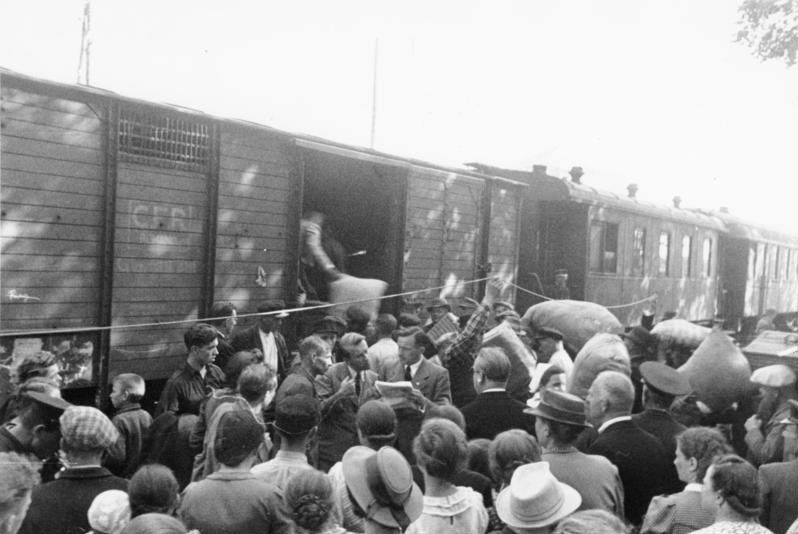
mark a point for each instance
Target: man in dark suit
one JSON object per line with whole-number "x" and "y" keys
{"x": 265, "y": 336}
{"x": 661, "y": 385}
{"x": 493, "y": 411}
{"x": 430, "y": 381}
{"x": 342, "y": 389}
{"x": 641, "y": 460}
{"x": 778, "y": 482}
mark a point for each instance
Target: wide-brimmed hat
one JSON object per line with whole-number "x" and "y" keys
{"x": 382, "y": 484}
{"x": 664, "y": 379}
{"x": 561, "y": 407}
{"x": 273, "y": 306}
{"x": 775, "y": 376}
{"x": 439, "y": 303}
{"x": 640, "y": 336}
{"x": 535, "y": 498}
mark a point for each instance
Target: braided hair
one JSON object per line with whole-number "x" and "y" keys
{"x": 309, "y": 499}
{"x": 736, "y": 481}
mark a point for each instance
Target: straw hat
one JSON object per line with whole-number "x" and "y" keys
{"x": 382, "y": 484}
{"x": 535, "y": 498}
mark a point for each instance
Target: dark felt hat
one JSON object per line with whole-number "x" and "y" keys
{"x": 640, "y": 336}
{"x": 330, "y": 325}
{"x": 440, "y": 303}
{"x": 297, "y": 414}
{"x": 664, "y": 379}
{"x": 561, "y": 407}
{"x": 273, "y": 306}
{"x": 545, "y": 331}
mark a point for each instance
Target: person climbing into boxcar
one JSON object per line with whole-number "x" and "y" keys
{"x": 316, "y": 269}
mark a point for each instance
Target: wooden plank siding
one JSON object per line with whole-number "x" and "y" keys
{"x": 255, "y": 191}
{"x": 504, "y": 232}
{"x": 51, "y": 171}
{"x": 160, "y": 230}
{"x": 442, "y": 232}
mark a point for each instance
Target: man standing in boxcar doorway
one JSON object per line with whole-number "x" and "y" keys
{"x": 560, "y": 291}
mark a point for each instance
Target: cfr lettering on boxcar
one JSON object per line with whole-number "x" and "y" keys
{"x": 159, "y": 224}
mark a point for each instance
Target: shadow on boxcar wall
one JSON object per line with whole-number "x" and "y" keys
{"x": 52, "y": 211}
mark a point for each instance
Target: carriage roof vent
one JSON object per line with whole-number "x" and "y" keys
{"x": 632, "y": 190}
{"x": 538, "y": 169}
{"x": 677, "y": 201}
{"x": 576, "y": 174}
{"x": 724, "y": 209}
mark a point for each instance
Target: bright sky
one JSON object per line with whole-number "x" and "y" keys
{"x": 651, "y": 92}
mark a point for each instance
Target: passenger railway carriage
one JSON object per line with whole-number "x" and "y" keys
{"x": 121, "y": 218}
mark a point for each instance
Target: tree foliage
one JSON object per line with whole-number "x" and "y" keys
{"x": 770, "y": 28}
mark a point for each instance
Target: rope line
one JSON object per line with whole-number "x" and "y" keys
{"x": 75, "y": 330}
{"x": 50, "y": 331}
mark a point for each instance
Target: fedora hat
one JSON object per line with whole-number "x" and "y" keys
{"x": 535, "y": 498}
{"x": 271, "y": 306}
{"x": 439, "y": 303}
{"x": 561, "y": 407}
{"x": 382, "y": 484}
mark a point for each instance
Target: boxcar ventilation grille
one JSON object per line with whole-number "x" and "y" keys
{"x": 164, "y": 141}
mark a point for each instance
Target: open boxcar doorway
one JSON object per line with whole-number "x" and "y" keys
{"x": 364, "y": 206}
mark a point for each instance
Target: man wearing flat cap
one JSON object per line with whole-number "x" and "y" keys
{"x": 661, "y": 386}
{"x": 62, "y": 505}
{"x": 265, "y": 336}
{"x": 559, "y": 419}
{"x": 764, "y": 438}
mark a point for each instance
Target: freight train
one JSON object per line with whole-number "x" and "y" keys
{"x": 121, "y": 220}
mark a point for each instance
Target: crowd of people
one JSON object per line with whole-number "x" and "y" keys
{"x": 398, "y": 424}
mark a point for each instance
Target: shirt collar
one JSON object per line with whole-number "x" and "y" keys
{"x": 129, "y": 407}
{"x": 414, "y": 366}
{"x": 694, "y": 486}
{"x": 612, "y": 421}
{"x": 494, "y": 390}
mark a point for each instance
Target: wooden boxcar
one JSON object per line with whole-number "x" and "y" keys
{"x": 616, "y": 249}
{"x": 118, "y": 213}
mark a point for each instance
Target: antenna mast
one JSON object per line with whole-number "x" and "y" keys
{"x": 85, "y": 45}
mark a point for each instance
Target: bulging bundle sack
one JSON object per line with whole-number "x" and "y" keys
{"x": 718, "y": 372}
{"x": 350, "y": 288}
{"x": 603, "y": 352}
{"x": 682, "y": 332}
{"x": 522, "y": 363}
{"x": 577, "y": 320}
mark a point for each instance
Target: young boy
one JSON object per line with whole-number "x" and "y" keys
{"x": 132, "y": 421}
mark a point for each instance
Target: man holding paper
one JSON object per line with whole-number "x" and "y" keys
{"x": 430, "y": 381}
